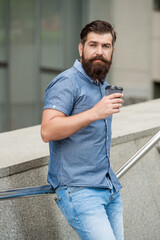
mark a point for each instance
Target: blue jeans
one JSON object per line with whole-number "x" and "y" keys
{"x": 95, "y": 214}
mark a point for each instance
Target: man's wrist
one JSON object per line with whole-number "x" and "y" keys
{"x": 93, "y": 115}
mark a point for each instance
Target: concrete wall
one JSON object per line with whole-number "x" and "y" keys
{"x": 22, "y": 165}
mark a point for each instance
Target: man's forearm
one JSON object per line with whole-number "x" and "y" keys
{"x": 61, "y": 127}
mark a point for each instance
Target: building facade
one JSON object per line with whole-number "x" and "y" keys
{"x": 39, "y": 38}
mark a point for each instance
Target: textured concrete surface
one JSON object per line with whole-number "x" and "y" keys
{"x": 24, "y": 159}
{"x": 32, "y": 218}
{"x": 141, "y": 196}
{"x": 135, "y": 121}
{"x": 22, "y": 150}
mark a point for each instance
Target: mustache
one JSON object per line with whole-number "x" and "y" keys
{"x": 101, "y": 58}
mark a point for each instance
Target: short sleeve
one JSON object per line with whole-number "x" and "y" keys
{"x": 59, "y": 95}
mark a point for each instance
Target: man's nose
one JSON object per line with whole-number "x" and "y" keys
{"x": 99, "y": 50}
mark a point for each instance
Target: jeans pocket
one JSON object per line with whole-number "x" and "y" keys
{"x": 60, "y": 204}
{"x": 64, "y": 202}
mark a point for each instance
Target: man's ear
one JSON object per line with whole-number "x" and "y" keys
{"x": 80, "y": 49}
{"x": 113, "y": 50}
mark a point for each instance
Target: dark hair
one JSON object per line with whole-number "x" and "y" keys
{"x": 100, "y": 27}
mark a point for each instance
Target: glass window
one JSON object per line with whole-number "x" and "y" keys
{"x": 4, "y": 99}
{"x": 51, "y": 35}
{"x": 156, "y": 89}
{"x": 22, "y": 62}
{"x": 2, "y": 31}
{"x": 156, "y": 5}
{"x": 61, "y": 23}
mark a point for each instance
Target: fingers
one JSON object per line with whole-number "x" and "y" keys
{"x": 117, "y": 110}
{"x": 115, "y": 95}
{"x": 116, "y": 100}
{"x": 117, "y": 106}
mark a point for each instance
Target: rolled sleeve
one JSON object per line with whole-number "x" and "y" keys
{"x": 59, "y": 96}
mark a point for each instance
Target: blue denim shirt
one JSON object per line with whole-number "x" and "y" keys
{"x": 82, "y": 159}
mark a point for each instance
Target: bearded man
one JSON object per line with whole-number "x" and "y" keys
{"x": 76, "y": 122}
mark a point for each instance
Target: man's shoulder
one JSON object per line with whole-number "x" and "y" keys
{"x": 66, "y": 77}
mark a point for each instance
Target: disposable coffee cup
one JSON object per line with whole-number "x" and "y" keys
{"x": 113, "y": 89}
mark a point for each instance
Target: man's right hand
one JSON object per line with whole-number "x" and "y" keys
{"x": 107, "y": 106}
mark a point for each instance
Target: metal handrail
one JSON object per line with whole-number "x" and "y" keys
{"x": 25, "y": 192}
{"x": 47, "y": 189}
{"x": 135, "y": 158}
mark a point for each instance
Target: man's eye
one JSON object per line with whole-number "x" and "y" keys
{"x": 92, "y": 45}
{"x": 106, "y": 46}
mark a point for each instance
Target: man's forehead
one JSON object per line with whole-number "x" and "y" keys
{"x": 97, "y": 37}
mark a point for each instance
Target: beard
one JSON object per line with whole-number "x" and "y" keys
{"x": 96, "y": 70}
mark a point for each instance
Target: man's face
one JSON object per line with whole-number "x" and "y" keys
{"x": 96, "y": 55}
